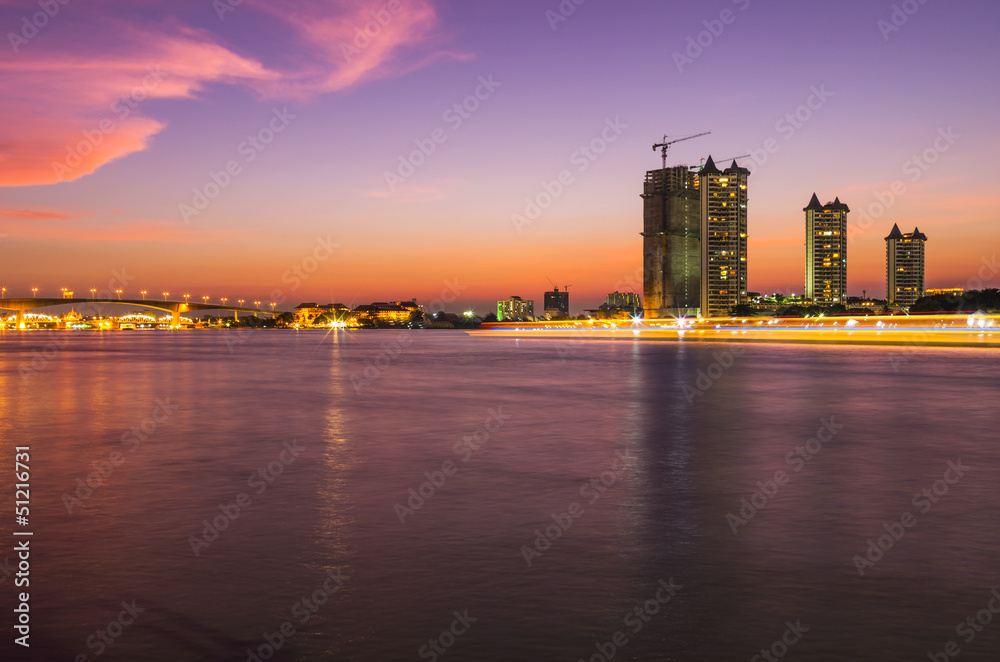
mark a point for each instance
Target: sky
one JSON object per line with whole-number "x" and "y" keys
{"x": 464, "y": 152}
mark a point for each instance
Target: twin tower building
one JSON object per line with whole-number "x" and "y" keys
{"x": 695, "y": 246}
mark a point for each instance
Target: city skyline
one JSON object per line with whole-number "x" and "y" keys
{"x": 312, "y": 139}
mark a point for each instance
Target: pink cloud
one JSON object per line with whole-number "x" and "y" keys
{"x": 36, "y": 215}
{"x": 345, "y": 42}
{"x": 73, "y": 112}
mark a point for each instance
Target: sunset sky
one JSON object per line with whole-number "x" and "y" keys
{"x": 118, "y": 117}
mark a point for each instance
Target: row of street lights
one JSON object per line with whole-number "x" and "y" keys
{"x": 187, "y": 297}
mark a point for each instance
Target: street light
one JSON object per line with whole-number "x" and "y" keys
{"x": 34, "y": 291}
{"x": 240, "y": 302}
{"x": 165, "y": 295}
{"x": 205, "y": 299}
{"x": 224, "y": 300}
{"x": 186, "y": 297}
{"x": 93, "y": 293}
{"x": 257, "y": 304}
{"x": 143, "y": 293}
{"x": 273, "y": 304}
{"x": 119, "y": 293}
{"x": 3, "y": 292}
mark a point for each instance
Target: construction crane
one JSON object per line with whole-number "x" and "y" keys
{"x": 665, "y": 144}
{"x": 556, "y": 287}
{"x": 731, "y": 158}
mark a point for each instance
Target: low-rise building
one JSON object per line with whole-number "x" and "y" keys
{"x": 515, "y": 309}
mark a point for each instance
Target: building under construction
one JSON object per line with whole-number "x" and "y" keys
{"x": 671, "y": 246}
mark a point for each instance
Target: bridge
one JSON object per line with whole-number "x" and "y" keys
{"x": 175, "y": 308}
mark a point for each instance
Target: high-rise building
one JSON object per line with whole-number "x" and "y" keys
{"x": 556, "y": 304}
{"x": 826, "y": 251}
{"x": 624, "y": 301}
{"x": 515, "y": 309}
{"x": 723, "y": 238}
{"x": 670, "y": 244}
{"x": 904, "y": 266}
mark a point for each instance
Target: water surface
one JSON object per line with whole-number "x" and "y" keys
{"x": 545, "y": 418}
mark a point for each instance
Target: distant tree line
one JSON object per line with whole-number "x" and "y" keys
{"x": 987, "y": 300}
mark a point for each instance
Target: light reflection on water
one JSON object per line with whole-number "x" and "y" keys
{"x": 687, "y": 466}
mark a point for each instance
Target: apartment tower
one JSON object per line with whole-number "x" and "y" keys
{"x": 826, "y": 251}
{"x": 904, "y": 266}
{"x": 723, "y": 238}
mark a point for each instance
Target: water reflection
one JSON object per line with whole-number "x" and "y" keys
{"x": 565, "y": 413}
